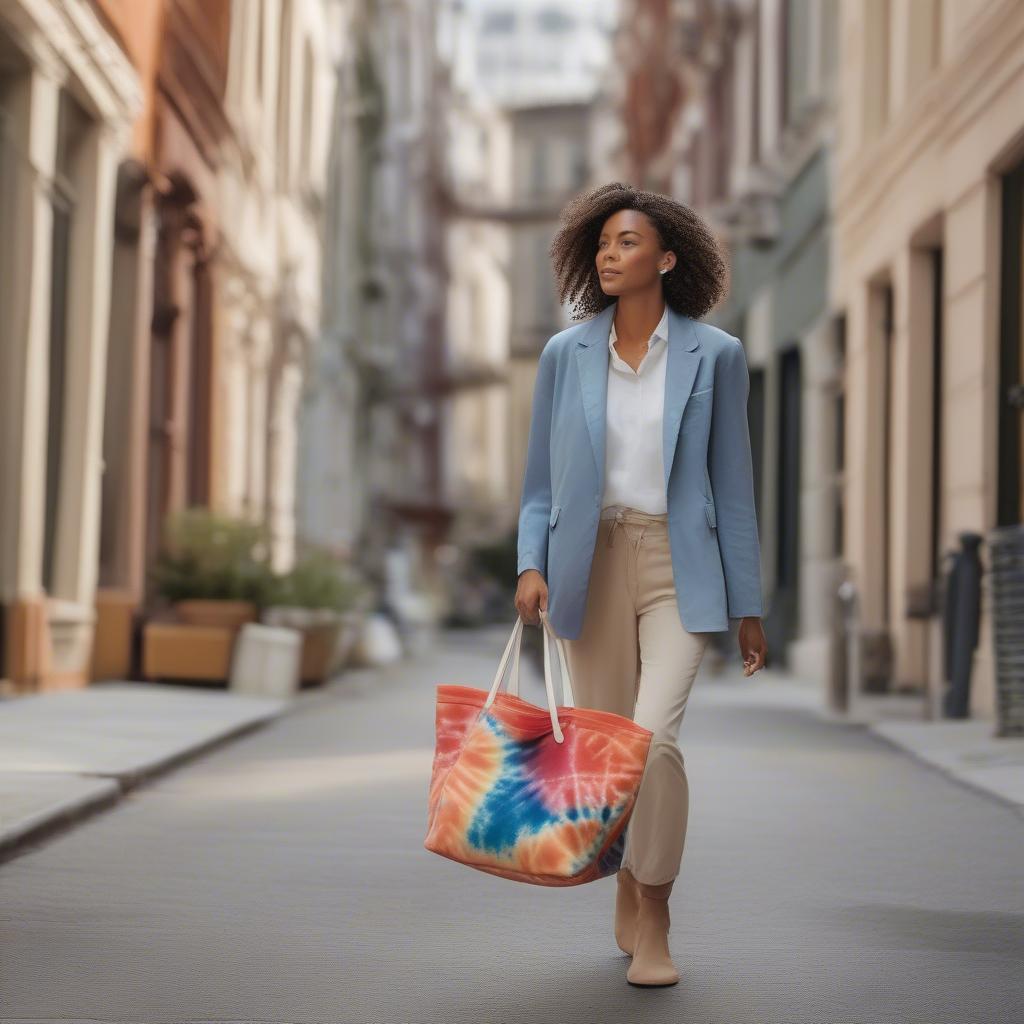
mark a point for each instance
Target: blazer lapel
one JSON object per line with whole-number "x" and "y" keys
{"x": 683, "y": 359}
{"x": 592, "y": 365}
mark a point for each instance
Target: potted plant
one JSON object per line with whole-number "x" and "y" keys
{"x": 325, "y": 599}
{"x": 213, "y": 568}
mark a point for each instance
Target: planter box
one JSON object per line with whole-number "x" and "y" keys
{"x": 351, "y": 633}
{"x": 112, "y": 641}
{"x": 222, "y": 613}
{"x": 318, "y": 646}
{"x": 327, "y": 637}
{"x": 171, "y": 650}
{"x": 266, "y": 661}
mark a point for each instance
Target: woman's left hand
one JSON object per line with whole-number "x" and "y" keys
{"x": 753, "y": 645}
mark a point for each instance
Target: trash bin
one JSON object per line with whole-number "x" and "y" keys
{"x": 266, "y": 661}
{"x": 1006, "y": 583}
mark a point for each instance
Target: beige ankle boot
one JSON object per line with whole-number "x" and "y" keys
{"x": 627, "y": 903}
{"x": 652, "y": 962}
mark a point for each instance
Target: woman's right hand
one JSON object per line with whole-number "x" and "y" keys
{"x": 531, "y": 596}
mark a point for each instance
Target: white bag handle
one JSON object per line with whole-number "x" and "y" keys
{"x": 516, "y": 639}
{"x": 568, "y": 697}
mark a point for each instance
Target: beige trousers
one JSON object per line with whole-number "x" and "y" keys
{"x": 634, "y": 657}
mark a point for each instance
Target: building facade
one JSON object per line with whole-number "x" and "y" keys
{"x": 371, "y": 444}
{"x": 69, "y": 96}
{"x": 161, "y": 181}
{"x": 519, "y": 143}
{"x": 729, "y": 106}
{"x": 159, "y": 410}
{"x": 271, "y": 193}
{"x": 927, "y": 282}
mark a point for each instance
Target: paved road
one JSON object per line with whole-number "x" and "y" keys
{"x": 827, "y": 878}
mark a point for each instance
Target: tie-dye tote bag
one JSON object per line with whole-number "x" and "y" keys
{"x": 532, "y": 794}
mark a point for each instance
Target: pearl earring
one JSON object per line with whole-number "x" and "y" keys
{"x": 665, "y": 271}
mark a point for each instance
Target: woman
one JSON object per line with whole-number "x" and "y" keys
{"x": 637, "y": 530}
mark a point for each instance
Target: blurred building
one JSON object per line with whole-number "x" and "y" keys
{"x": 271, "y": 192}
{"x": 729, "y": 106}
{"x": 159, "y": 438}
{"x": 513, "y": 168}
{"x": 69, "y": 95}
{"x": 864, "y": 164}
{"x": 927, "y": 282}
{"x": 525, "y": 52}
{"x": 161, "y": 178}
{"x": 333, "y": 485}
{"x": 519, "y": 143}
{"x": 372, "y": 450}
{"x": 651, "y": 78}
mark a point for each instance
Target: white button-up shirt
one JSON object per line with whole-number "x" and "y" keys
{"x": 634, "y": 471}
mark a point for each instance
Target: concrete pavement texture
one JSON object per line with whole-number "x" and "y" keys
{"x": 966, "y": 749}
{"x": 66, "y": 753}
{"x": 827, "y": 877}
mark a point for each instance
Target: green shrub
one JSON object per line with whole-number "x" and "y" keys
{"x": 213, "y": 556}
{"x": 319, "y": 581}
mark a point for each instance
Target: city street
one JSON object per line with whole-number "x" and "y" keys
{"x": 828, "y": 877}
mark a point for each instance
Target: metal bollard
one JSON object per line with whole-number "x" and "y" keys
{"x": 845, "y": 662}
{"x": 961, "y": 615}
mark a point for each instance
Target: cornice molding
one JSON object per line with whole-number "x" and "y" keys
{"x": 933, "y": 119}
{"x": 67, "y": 41}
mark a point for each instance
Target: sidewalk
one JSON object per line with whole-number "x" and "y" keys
{"x": 66, "y": 754}
{"x": 964, "y": 749}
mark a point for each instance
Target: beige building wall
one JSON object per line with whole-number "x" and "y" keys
{"x": 512, "y": 170}
{"x": 271, "y": 190}
{"x": 931, "y": 113}
{"x": 475, "y": 441}
{"x": 58, "y": 66}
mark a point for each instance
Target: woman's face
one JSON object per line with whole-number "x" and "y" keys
{"x": 628, "y": 253}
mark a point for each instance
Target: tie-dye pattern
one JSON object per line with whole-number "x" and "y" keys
{"x": 508, "y": 799}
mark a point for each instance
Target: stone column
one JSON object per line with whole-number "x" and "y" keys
{"x": 282, "y": 446}
{"x": 809, "y": 653}
{"x": 864, "y": 455}
{"x": 78, "y": 521}
{"x": 25, "y": 258}
{"x": 255, "y": 442}
{"x": 122, "y": 560}
{"x": 910, "y": 545}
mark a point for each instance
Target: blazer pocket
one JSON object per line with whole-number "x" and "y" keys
{"x": 709, "y": 511}
{"x": 554, "y": 515}
{"x": 703, "y": 391}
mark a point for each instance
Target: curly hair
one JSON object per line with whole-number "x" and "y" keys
{"x": 692, "y": 287}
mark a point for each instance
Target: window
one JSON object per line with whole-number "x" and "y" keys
{"x": 72, "y": 125}
{"x": 938, "y": 305}
{"x": 539, "y": 176}
{"x": 1010, "y": 410}
{"x": 554, "y": 19}
{"x": 580, "y": 168}
{"x": 839, "y": 428}
{"x": 544, "y": 292}
{"x": 6, "y": 177}
{"x": 307, "y": 110}
{"x": 500, "y": 21}
{"x": 259, "y": 47}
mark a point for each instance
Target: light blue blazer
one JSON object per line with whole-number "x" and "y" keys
{"x": 716, "y": 557}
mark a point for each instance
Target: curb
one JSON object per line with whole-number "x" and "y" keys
{"x": 973, "y": 785}
{"x": 111, "y": 789}
{"x": 105, "y": 793}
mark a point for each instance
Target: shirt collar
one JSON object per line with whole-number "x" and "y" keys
{"x": 661, "y": 331}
